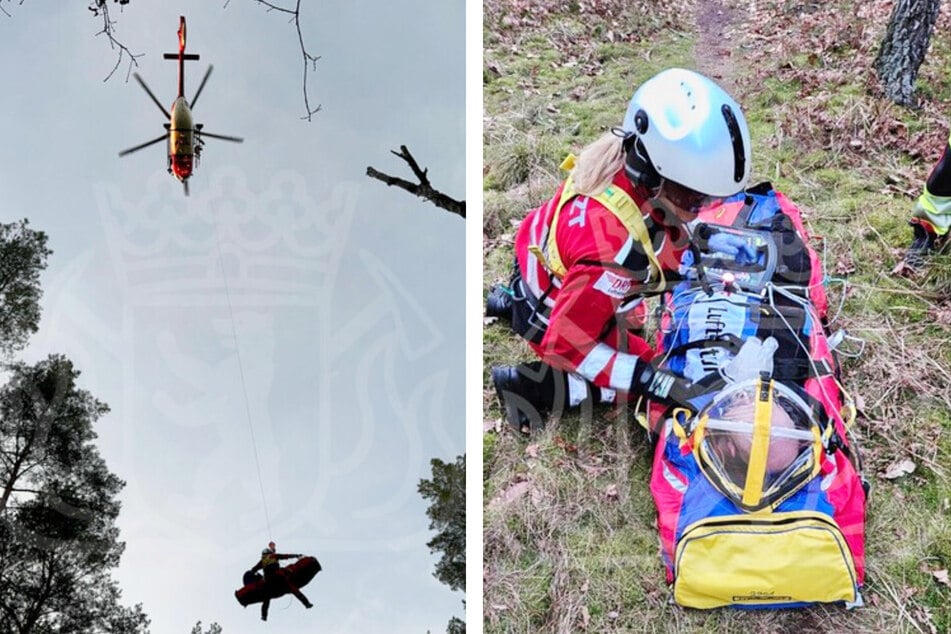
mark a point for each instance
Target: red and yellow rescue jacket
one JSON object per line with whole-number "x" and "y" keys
{"x": 582, "y": 259}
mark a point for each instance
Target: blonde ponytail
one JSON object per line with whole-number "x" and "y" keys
{"x": 597, "y": 165}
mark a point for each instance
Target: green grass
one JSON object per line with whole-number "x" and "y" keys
{"x": 570, "y": 542}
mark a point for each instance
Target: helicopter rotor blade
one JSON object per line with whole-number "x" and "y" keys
{"x": 200, "y": 87}
{"x": 154, "y": 98}
{"x": 143, "y": 145}
{"x": 234, "y": 139}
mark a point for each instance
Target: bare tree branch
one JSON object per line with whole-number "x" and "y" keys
{"x": 310, "y": 61}
{"x": 423, "y": 189}
{"x": 101, "y": 8}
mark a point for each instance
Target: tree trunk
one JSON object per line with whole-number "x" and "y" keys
{"x": 904, "y": 47}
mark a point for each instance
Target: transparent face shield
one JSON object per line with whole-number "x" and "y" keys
{"x": 758, "y": 443}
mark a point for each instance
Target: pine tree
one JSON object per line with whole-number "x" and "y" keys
{"x": 447, "y": 513}
{"x": 58, "y": 506}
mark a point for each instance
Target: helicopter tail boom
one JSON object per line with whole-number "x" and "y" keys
{"x": 181, "y": 56}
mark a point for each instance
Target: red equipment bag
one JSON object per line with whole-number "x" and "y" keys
{"x": 299, "y": 573}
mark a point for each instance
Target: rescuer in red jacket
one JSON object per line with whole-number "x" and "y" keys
{"x": 614, "y": 232}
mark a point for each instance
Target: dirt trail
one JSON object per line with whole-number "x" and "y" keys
{"x": 713, "y": 51}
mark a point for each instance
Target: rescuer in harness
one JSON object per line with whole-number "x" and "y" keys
{"x": 274, "y": 575}
{"x": 614, "y": 232}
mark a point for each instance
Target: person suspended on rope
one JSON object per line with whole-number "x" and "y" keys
{"x": 931, "y": 214}
{"x": 614, "y": 231}
{"x": 274, "y": 576}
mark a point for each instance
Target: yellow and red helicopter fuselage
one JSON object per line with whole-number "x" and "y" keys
{"x": 184, "y": 146}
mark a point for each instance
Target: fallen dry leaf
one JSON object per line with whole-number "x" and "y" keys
{"x": 941, "y": 576}
{"x": 844, "y": 265}
{"x": 592, "y": 470}
{"x": 923, "y": 615}
{"x": 564, "y": 444}
{"x": 492, "y": 425}
{"x": 511, "y": 493}
{"x": 898, "y": 469}
{"x": 941, "y": 314}
{"x": 860, "y": 403}
{"x": 904, "y": 270}
{"x": 532, "y": 450}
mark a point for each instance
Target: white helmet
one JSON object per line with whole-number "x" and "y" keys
{"x": 682, "y": 127}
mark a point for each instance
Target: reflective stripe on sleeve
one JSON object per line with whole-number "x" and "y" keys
{"x": 577, "y": 390}
{"x": 595, "y": 361}
{"x": 622, "y": 374}
{"x": 621, "y": 256}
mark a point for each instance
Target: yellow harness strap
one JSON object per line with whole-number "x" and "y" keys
{"x": 849, "y": 410}
{"x": 759, "y": 450}
{"x": 679, "y": 430}
{"x": 615, "y": 200}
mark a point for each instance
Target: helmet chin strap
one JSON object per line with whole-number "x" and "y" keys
{"x": 698, "y": 263}
{"x": 655, "y": 191}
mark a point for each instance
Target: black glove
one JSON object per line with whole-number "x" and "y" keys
{"x": 661, "y": 385}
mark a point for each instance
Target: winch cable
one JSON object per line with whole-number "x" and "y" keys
{"x": 244, "y": 389}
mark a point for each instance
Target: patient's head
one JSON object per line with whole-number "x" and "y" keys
{"x": 782, "y": 451}
{"x": 733, "y": 446}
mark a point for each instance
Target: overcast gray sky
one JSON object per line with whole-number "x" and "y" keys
{"x": 346, "y": 296}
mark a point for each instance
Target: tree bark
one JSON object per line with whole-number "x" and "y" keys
{"x": 904, "y": 47}
{"x": 423, "y": 188}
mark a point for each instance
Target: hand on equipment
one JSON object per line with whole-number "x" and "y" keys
{"x": 734, "y": 246}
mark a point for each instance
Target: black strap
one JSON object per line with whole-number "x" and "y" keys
{"x": 728, "y": 342}
{"x": 526, "y": 309}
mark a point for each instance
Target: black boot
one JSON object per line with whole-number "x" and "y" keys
{"x": 925, "y": 242}
{"x": 498, "y": 303}
{"x": 529, "y": 393}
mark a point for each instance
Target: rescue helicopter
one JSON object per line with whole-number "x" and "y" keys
{"x": 185, "y": 137}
